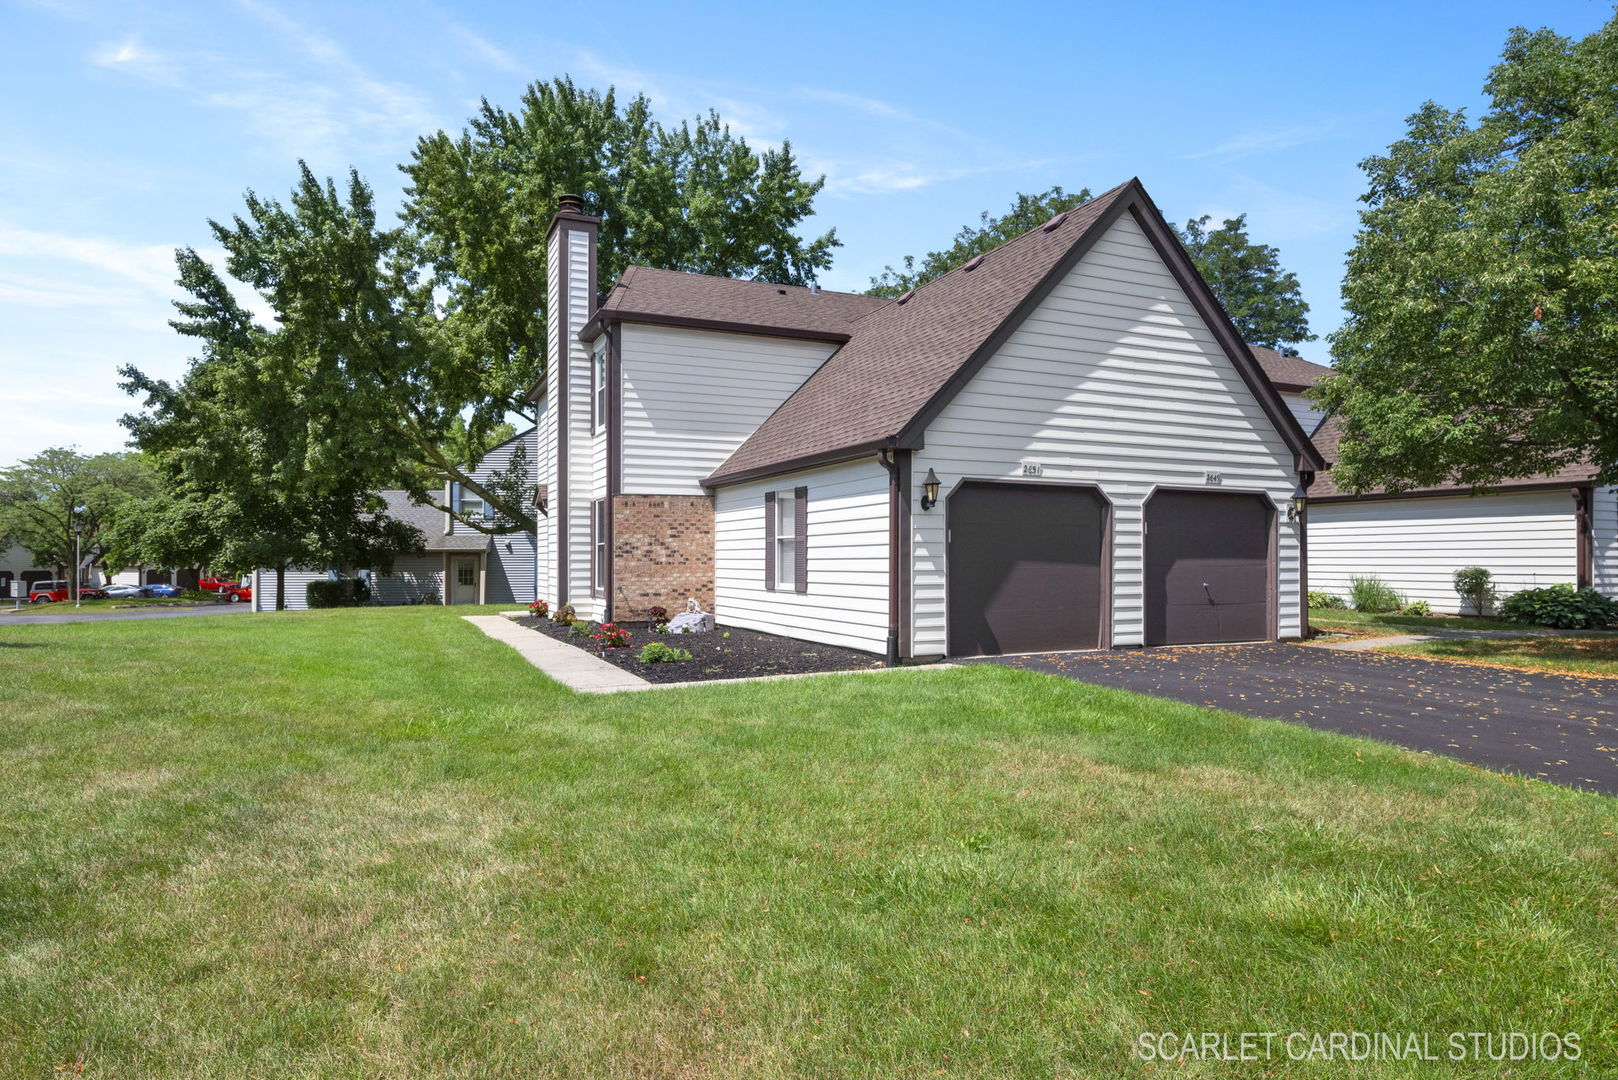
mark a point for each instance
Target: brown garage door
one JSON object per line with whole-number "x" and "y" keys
{"x": 1207, "y": 568}
{"x": 1025, "y": 568}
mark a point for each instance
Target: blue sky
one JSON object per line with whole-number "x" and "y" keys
{"x": 127, "y": 125}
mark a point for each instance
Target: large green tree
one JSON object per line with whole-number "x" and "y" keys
{"x": 1481, "y": 342}
{"x": 1262, "y": 299}
{"x": 403, "y": 347}
{"x": 1025, "y": 213}
{"x": 43, "y": 498}
{"x": 257, "y": 475}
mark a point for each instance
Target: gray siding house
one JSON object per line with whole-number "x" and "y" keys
{"x": 1061, "y": 444}
{"x": 457, "y": 564}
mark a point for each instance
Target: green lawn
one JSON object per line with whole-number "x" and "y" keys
{"x": 1589, "y": 654}
{"x": 1366, "y": 623}
{"x": 374, "y": 843}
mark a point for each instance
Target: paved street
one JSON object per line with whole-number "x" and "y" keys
{"x": 65, "y": 614}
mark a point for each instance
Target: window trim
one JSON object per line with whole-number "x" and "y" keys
{"x": 786, "y": 537}
{"x": 598, "y": 388}
{"x": 598, "y": 547}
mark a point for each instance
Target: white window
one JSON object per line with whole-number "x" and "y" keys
{"x": 786, "y": 540}
{"x": 598, "y": 527}
{"x": 598, "y": 375}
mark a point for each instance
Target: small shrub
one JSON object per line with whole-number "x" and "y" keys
{"x": 565, "y": 616}
{"x": 1325, "y": 601}
{"x": 343, "y": 592}
{"x": 611, "y": 636}
{"x": 539, "y": 609}
{"x": 1475, "y": 586}
{"x": 657, "y": 615}
{"x": 659, "y": 653}
{"x": 1420, "y": 607}
{"x": 1372, "y": 594}
{"x": 660, "y": 628}
{"x": 578, "y": 629}
{"x": 1561, "y": 606}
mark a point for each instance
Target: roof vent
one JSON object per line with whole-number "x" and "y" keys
{"x": 905, "y": 297}
{"x": 972, "y": 263}
{"x": 570, "y": 204}
{"x": 783, "y": 292}
{"x": 814, "y": 288}
{"x": 1054, "y": 223}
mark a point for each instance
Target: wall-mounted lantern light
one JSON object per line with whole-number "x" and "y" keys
{"x": 1295, "y": 506}
{"x": 929, "y": 491}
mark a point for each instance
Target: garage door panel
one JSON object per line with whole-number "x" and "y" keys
{"x": 1208, "y": 572}
{"x": 1025, "y": 568}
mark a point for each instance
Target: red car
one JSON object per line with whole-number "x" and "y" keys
{"x": 56, "y": 592}
{"x": 234, "y": 592}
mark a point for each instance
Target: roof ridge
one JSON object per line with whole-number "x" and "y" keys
{"x": 740, "y": 281}
{"x": 976, "y": 261}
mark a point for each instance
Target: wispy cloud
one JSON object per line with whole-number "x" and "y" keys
{"x": 1266, "y": 141}
{"x": 486, "y": 50}
{"x": 847, "y": 179}
{"x": 130, "y": 57}
{"x": 151, "y": 266}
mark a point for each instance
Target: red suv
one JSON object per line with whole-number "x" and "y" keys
{"x": 55, "y": 592}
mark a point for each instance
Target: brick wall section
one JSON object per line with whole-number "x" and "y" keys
{"x": 663, "y": 553}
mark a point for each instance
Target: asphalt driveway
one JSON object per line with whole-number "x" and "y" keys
{"x": 1561, "y": 728}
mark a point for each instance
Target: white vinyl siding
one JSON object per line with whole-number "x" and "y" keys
{"x": 1604, "y": 525}
{"x": 1304, "y": 410}
{"x": 691, "y": 396}
{"x": 1114, "y": 380}
{"x": 1416, "y": 545}
{"x": 295, "y": 582}
{"x": 847, "y": 536}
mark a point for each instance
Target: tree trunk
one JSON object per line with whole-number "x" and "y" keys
{"x": 280, "y": 588}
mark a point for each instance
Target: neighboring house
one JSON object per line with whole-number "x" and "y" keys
{"x": 1543, "y": 530}
{"x": 457, "y": 564}
{"x": 1111, "y": 466}
{"x": 17, "y": 571}
{"x": 1294, "y": 376}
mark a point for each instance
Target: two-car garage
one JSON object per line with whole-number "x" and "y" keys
{"x": 1029, "y": 567}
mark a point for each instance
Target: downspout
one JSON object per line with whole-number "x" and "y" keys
{"x": 1305, "y": 479}
{"x": 612, "y": 432}
{"x": 897, "y": 464}
{"x": 1583, "y": 531}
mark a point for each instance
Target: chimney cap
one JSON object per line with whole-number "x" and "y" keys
{"x": 570, "y": 204}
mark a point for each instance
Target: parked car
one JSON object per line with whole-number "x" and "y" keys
{"x": 55, "y": 592}
{"x": 165, "y": 591}
{"x": 123, "y": 592}
{"x": 236, "y": 594}
{"x": 233, "y": 591}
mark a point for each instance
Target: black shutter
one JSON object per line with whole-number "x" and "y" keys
{"x": 800, "y": 527}
{"x": 769, "y": 540}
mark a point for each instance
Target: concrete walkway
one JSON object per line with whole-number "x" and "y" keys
{"x": 573, "y": 668}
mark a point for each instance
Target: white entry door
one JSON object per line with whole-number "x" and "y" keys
{"x": 463, "y": 579}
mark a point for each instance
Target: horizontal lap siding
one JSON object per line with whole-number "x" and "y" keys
{"x": 1308, "y": 416}
{"x": 411, "y": 579}
{"x": 690, "y": 397}
{"x": 1416, "y": 545}
{"x": 1113, "y": 381}
{"x": 586, "y": 468}
{"x": 511, "y": 556}
{"x": 295, "y": 582}
{"x": 847, "y": 600}
{"x": 545, "y": 473}
{"x": 1604, "y": 522}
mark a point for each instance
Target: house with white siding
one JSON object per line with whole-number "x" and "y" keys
{"x": 1061, "y": 444}
{"x": 1528, "y": 533}
{"x": 457, "y": 563}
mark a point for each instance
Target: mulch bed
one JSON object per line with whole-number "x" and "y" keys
{"x": 726, "y": 653}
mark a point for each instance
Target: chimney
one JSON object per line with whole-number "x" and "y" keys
{"x": 571, "y": 292}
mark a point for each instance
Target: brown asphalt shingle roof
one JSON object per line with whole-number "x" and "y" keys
{"x": 902, "y": 354}
{"x": 1330, "y": 433}
{"x": 1288, "y": 372}
{"x": 757, "y": 306}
